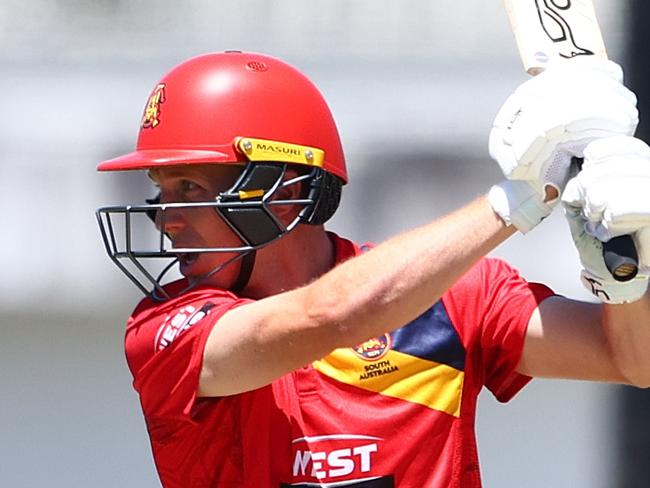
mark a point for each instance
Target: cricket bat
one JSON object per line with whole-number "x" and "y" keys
{"x": 548, "y": 29}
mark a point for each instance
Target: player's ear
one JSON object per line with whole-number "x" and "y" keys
{"x": 289, "y": 192}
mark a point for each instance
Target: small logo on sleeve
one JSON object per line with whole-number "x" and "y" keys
{"x": 174, "y": 325}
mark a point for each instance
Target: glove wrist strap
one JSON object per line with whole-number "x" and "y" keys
{"x": 518, "y": 204}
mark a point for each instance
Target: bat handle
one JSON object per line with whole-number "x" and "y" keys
{"x": 619, "y": 253}
{"x": 621, "y": 258}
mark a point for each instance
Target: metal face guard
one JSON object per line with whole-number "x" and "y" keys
{"x": 247, "y": 208}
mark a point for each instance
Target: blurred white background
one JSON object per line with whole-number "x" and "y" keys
{"x": 414, "y": 86}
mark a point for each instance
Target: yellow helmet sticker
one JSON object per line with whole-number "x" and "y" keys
{"x": 245, "y": 195}
{"x": 266, "y": 150}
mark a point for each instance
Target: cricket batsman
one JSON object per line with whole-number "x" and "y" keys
{"x": 288, "y": 356}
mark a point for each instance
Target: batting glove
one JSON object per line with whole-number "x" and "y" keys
{"x": 549, "y": 120}
{"x": 519, "y": 203}
{"x": 609, "y": 198}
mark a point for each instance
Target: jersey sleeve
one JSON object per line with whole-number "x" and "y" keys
{"x": 164, "y": 349}
{"x": 494, "y": 304}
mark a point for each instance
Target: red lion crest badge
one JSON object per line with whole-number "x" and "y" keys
{"x": 151, "y": 115}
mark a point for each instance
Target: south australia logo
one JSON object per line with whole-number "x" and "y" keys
{"x": 373, "y": 349}
{"x": 151, "y": 115}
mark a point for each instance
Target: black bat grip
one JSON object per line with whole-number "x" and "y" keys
{"x": 619, "y": 253}
{"x": 621, "y": 258}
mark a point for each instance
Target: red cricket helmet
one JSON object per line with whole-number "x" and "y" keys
{"x": 235, "y": 107}
{"x": 225, "y": 108}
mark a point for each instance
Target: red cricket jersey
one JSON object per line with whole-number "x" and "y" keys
{"x": 395, "y": 411}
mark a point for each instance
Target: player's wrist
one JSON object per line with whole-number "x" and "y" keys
{"x": 520, "y": 204}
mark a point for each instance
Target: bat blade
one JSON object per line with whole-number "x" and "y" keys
{"x": 548, "y": 29}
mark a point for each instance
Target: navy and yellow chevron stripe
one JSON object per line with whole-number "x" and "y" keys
{"x": 425, "y": 364}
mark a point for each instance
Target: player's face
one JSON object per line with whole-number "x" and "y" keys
{"x": 197, "y": 227}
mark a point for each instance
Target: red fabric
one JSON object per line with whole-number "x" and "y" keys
{"x": 306, "y": 426}
{"x": 491, "y": 306}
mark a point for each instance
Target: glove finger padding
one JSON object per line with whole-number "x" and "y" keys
{"x": 608, "y": 198}
{"x": 552, "y": 117}
{"x": 641, "y": 240}
{"x": 612, "y": 187}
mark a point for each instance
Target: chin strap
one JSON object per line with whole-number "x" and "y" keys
{"x": 245, "y": 271}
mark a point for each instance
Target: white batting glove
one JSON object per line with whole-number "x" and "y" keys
{"x": 519, "y": 203}
{"x": 550, "y": 119}
{"x": 609, "y": 198}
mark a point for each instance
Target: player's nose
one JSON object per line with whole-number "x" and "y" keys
{"x": 169, "y": 219}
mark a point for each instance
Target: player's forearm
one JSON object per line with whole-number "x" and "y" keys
{"x": 628, "y": 330}
{"x": 364, "y": 297}
{"x": 398, "y": 280}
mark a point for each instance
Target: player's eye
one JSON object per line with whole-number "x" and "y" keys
{"x": 191, "y": 190}
{"x": 188, "y": 186}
